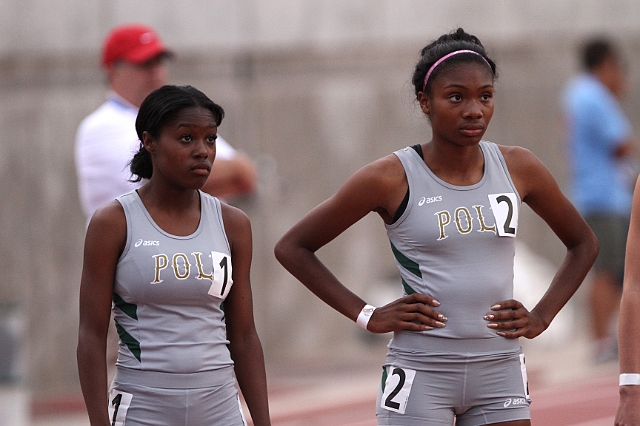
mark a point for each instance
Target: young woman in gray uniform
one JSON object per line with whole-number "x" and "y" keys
{"x": 450, "y": 207}
{"x": 165, "y": 257}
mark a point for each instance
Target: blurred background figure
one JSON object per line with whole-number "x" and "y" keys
{"x": 601, "y": 147}
{"x": 134, "y": 60}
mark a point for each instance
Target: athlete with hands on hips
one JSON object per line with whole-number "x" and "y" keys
{"x": 450, "y": 207}
{"x": 164, "y": 258}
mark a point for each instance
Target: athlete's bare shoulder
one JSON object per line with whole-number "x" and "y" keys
{"x": 517, "y": 156}
{"x": 234, "y": 217}
{"x": 528, "y": 173}
{"x": 109, "y": 217}
{"x": 386, "y": 172}
{"x": 107, "y": 230}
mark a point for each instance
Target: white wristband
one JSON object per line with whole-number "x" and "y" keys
{"x": 365, "y": 315}
{"x": 629, "y": 379}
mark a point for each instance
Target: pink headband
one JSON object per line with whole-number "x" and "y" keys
{"x": 441, "y": 60}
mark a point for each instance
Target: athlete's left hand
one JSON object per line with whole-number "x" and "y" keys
{"x": 512, "y": 320}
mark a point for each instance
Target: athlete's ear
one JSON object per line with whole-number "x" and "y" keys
{"x": 148, "y": 141}
{"x": 423, "y": 100}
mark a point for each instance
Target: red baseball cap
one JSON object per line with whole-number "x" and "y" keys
{"x": 135, "y": 43}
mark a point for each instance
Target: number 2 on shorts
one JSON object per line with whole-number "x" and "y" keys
{"x": 397, "y": 388}
{"x": 119, "y": 403}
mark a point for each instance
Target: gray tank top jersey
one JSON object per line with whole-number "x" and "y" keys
{"x": 457, "y": 244}
{"x": 168, "y": 293}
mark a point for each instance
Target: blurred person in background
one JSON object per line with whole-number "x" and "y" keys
{"x": 134, "y": 60}
{"x": 601, "y": 147}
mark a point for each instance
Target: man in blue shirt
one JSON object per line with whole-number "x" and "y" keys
{"x": 601, "y": 148}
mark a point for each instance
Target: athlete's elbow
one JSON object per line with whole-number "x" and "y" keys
{"x": 593, "y": 246}
{"x": 587, "y": 248}
{"x": 282, "y": 251}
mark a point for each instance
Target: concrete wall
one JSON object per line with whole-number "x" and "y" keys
{"x": 313, "y": 90}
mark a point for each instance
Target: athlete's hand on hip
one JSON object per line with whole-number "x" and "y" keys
{"x": 414, "y": 312}
{"x": 511, "y": 319}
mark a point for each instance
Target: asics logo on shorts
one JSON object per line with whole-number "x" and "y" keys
{"x": 142, "y": 242}
{"x": 515, "y": 401}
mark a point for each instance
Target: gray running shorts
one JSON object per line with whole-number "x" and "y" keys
{"x": 476, "y": 390}
{"x": 135, "y": 404}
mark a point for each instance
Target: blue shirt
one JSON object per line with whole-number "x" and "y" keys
{"x": 597, "y": 127}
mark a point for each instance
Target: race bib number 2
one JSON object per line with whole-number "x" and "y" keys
{"x": 397, "y": 389}
{"x": 221, "y": 283}
{"x": 505, "y": 212}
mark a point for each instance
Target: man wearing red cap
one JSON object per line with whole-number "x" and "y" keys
{"x": 135, "y": 63}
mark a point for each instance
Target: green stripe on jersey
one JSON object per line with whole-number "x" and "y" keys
{"x": 127, "y": 339}
{"x": 406, "y": 263}
{"x": 409, "y": 265}
{"x": 129, "y": 309}
{"x": 407, "y": 288}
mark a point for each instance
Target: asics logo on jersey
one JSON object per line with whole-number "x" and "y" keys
{"x": 429, "y": 200}
{"x": 144, "y": 243}
{"x": 515, "y": 401}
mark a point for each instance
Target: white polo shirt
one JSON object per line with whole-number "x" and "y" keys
{"x": 106, "y": 141}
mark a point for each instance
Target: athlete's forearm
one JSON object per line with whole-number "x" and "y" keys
{"x": 250, "y": 372}
{"x": 92, "y": 371}
{"x": 310, "y": 271}
{"x": 567, "y": 280}
{"x": 629, "y": 328}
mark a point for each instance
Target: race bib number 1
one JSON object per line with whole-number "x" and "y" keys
{"x": 119, "y": 403}
{"x": 221, "y": 275}
{"x": 397, "y": 389}
{"x": 505, "y": 212}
